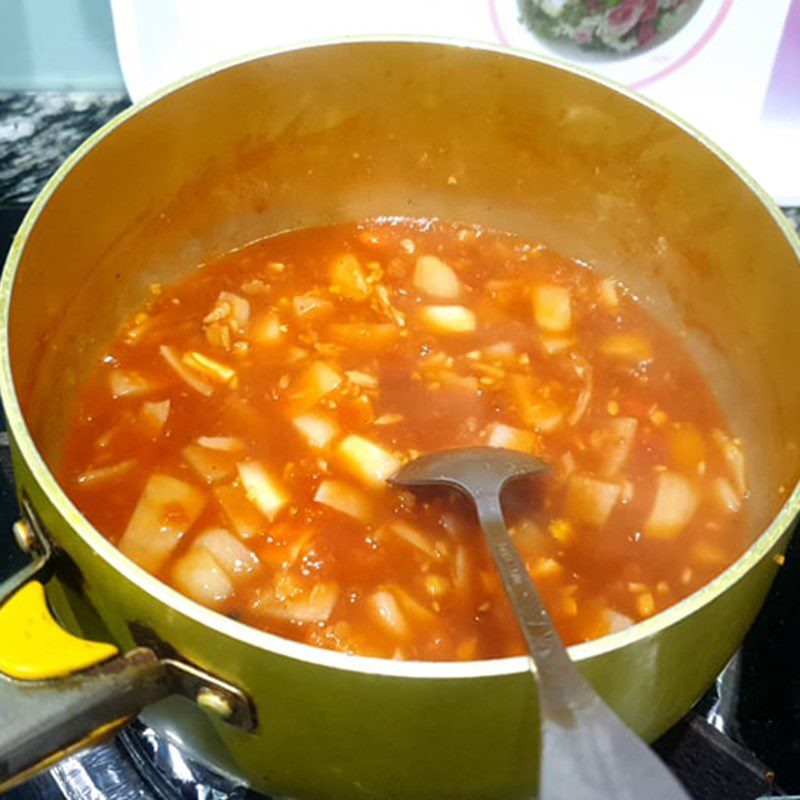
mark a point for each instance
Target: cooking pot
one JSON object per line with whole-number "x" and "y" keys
{"x": 338, "y": 132}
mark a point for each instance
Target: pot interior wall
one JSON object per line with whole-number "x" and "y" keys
{"x": 365, "y": 129}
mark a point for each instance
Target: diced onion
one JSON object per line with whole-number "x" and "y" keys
{"x": 345, "y": 498}
{"x": 447, "y": 319}
{"x": 233, "y": 556}
{"x": 91, "y": 477}
{"x": 155, "y": 527}
{"x": 239, "y": 308}
{"x": 607, "y": 294}
{"x": 615, "y": 445}
{"x": 347, "y": 278}
{"x": 242, "y": 515}
{"x": 311, "y": 307}
{"x": 673, "y": 508}
{"x": 552, "y": 307}
{"x": 221, "y": 373}
{"x": 262, "y": 489}
{"x": 318, "y": 429}
{"x": 590, "y": 501}
{"x": 413, "y": 536}
{"x": 435, "y": 278}
{"x": 210, "y": 465}
{"x": 632, "y": 347}
{"x": 127, "y": 383}
{"x": 500, "y": 435}
{"x": 198, "y": 575}
{"x": 367, "y": 461}
{"x": 725, "y": 496}
{"x": 734, "y": 459}
{"x": 316, "y": 607}
{"x": 154, "y": 416}
{"x": 228, "y": 444}
{"x": 184, "y": 373}
{"x": 317, "y": 380}
{"x": 386, "y": 610}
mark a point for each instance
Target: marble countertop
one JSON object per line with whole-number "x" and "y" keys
{"x": 38, "y": 130}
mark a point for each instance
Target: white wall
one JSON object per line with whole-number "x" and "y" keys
{"x": 57, "y": 44}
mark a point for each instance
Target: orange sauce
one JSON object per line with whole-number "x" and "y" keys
{"x": 236, "y": 438}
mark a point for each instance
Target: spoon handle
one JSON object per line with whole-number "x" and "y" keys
{"x": 587, "y": 752}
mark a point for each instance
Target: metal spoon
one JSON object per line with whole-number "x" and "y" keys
{"x": 587, "y": 751}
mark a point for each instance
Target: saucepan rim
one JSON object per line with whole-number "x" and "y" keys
{"x": 254, "y": 637}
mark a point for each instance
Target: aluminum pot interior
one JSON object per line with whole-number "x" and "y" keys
{"x": 356, "y": 129}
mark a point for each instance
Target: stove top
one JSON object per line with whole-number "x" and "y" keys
{"x": 749, "y": 719}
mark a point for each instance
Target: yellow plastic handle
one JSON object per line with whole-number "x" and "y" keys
{"x": 34, "y": 647}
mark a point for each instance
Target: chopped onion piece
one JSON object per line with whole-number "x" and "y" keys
{"x": 447, "y": 319}
{"x": 239, "y": 308}
{"x": 318, "y": 429}
{"x": 221, "y": 373}
{"x": 210, "y": 465}
{"x": 229, "y": 444}
{"x": 317, "y": 380}
{"x": 590, "y": 501}
{"x": 733, "y": 457}
{"x": 233, "y": 556}
{"x": 127, "y": 383}
{"x": 198, "y": 575}
{"x": 552, "y": 307}
{"x": 435, "y": 278}
{"x": 362, "y": 379}
{"x": 632, "y": 347}
{"x": 240, "y": 512}
{"x": 673, "y": 508}
{"x": 615, "y": 444}
{"x": 166, "y": 509}
{"x": 413, "y": 536}
{"x": 311, "y": 307}
{"x": 367, "y": 461}
{"x": 262, "y": 489}
{"x": 154, "y": 416}
{"x": 384, "y": 606}
{"x": 316, "y": 607}
{"x": 556, "y": 344}
{"x": 545, "y": 416}
{"x": 345, "y": 498}
{"x": 187, "y": 375}
{"x": 725, "y": 496}
{"x": 347, "y": 278}
{"x": 607, "y": 293}
{"x": 500, "y": 435}
{"x": 97, "y": 475}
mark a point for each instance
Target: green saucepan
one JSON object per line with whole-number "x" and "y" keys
{"x": 337, "y": 132}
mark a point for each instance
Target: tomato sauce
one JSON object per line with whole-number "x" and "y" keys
{"x": 237, "y": 436}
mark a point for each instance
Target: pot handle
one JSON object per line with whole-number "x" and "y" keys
{"x": 60, "y": 693}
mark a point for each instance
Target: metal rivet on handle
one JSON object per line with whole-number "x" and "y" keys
{"x": 23, "y": 533}
{"x": 215, "y": 702}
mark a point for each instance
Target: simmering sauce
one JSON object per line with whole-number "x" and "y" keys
{"x": 236, "y": 439}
